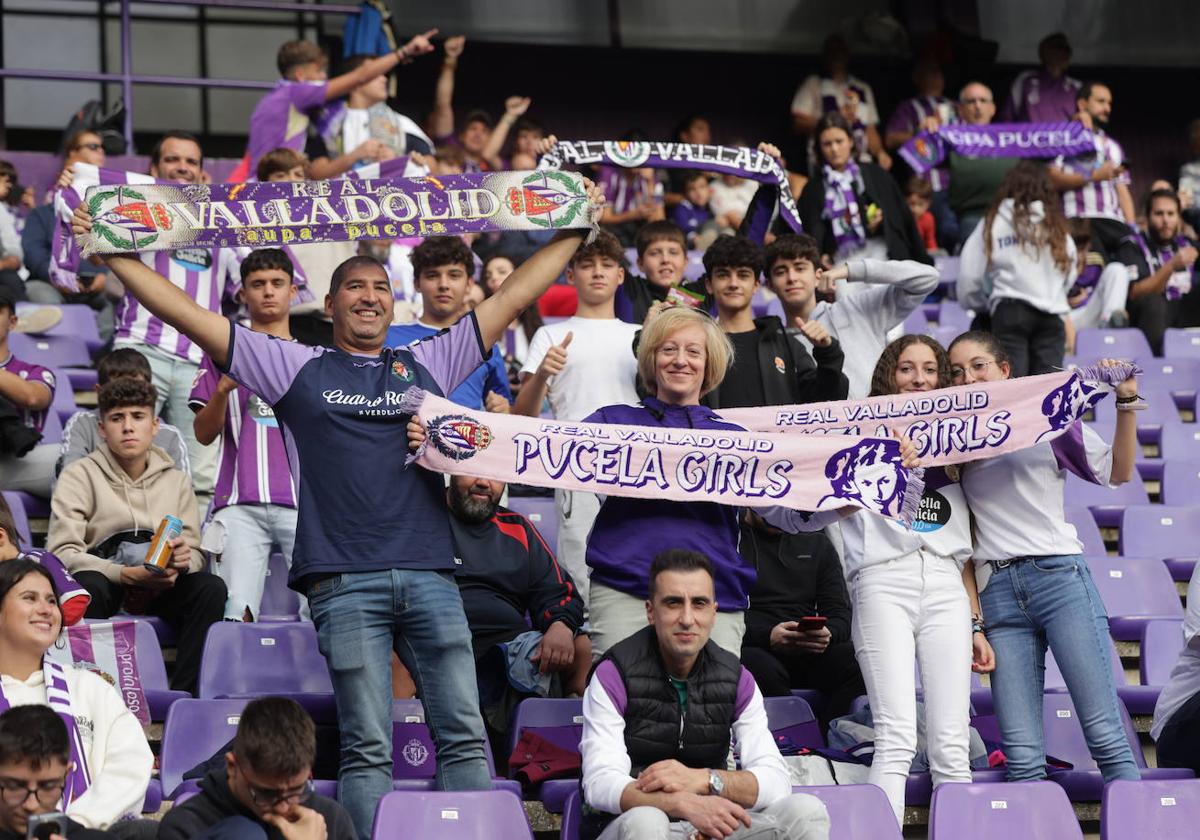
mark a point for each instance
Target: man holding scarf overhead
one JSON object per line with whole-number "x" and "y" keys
{"x": 373, "y": 546}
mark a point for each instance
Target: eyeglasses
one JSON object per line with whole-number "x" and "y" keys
{"x": 269, "y": 798}
{"x": 91, "y": 147}
{"x": 978, "y": 369}
{"x": 14, "y": 792}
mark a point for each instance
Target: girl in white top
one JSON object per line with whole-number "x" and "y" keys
{"x": 1018, "y": 265}
{"x": 111, "y": 761}
{"x": 1034, "y": 586}
{"x": 912, "y": 598}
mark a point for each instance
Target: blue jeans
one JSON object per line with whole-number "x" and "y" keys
{"x": 360, "y": 619}
{"x": 1052, "y": 601}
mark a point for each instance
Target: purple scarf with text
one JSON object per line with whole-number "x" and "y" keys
{"x": 999, "y": 140}
{"x": 841, "y": 206}
{"x": 58, "y": 698}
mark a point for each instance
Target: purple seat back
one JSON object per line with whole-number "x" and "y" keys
{"x": 572, "y": 815}
{"x": 250, "y": 660}
{"x": 1179, "y": 342}
{"x": 1180, "y": 375}
{"x": 278, "y": 601}
{"x": 1064, "y": 735}
{"x": 947, "y": 267}
{"x": 1128, "y": 343}
{"x": 1026, "y": 810}
{"x": 793, "y": 717}
{"x": 855, "y": 811}
{"x": 413, "y": 752}
{"x": 1160, "y": 412}
{"x": 195, "y": 729}
{"x": 451, "y": 815}
{"x": 64, "y": 397}
{"x": 50, "y": 350}
{"x": 1181, "y": 481}
{"x": 1162, "y": 642}
{"x": 916, "y": 322}
{"x": 951, "y": 314}
{"x": 1150, "y": 809}
{"x": 1162, "y": 531}
{"x": 1087, "y": 529}
{"x": 1106, "y": 503}
{"x": 552, "y": 717}
{"x": 78, "y": 320}
{"x": 17, "y": 506}
{"x": 1134, "y": 590}
{"x": 540, "y": 512}
{"x": 1181, "y": 441}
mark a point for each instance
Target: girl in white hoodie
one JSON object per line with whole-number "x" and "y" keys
{"x": 1018, "y": 265}
{"x": 111, "y": 757}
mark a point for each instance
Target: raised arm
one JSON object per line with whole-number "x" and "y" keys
{"x": 340, "y": 86}
{"x": 441, "y": 121}
{"x": 165, "y": 300}
{"x": 533, "y": 277}
{"x": 514, "y": 108}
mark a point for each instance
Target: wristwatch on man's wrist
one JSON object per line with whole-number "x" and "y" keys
{"x": 715, "y": 785}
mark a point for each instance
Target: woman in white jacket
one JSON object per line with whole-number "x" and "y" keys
{"x": 1018, "y": 265}
{"x": 112, "y": 759}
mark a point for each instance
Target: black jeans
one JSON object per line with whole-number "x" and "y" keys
{"x": 195, "y": 603}
{"x": 1179, "y": 742}
{"x": 834, "y": 673}
{"x": 1152, "y": 315}
{"x": 1034, "y": 340}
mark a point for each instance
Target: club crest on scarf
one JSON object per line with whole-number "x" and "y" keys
{"x": 122, "y": 222}
{"x": 627, "y": 153}
{"x": 458, "y": 436}
{"x": 544, "y": 194}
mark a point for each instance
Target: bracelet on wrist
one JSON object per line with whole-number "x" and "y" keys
{"x": 977, "y": 625}
{"x": 1122, "y": 400}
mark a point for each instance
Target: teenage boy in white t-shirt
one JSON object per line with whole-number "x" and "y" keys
{"x": 580, "y": 365}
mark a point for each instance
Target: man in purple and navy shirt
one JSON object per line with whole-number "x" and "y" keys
{"x": 373, "y": 550}
{"x": 26, "y": 392}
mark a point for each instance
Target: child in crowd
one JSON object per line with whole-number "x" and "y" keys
{"x": 254, "y": 498}
{"x": 1018, "y": 265}
{"x": 918, "y": 193}
{"x": 580, "y": 365}
{"x": 693, "y": 215}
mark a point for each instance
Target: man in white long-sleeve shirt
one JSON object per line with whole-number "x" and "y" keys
{"x": 658, "y": 715}
{"x": 871, "y": 297}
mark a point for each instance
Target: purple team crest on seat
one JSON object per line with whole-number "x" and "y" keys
{"x": 458, "y": 436}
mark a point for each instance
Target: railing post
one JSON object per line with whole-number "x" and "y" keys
{"x": 127, "y": 75}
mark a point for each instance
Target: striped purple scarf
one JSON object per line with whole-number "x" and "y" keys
{"x": 841, "y": 205}
{"x": 58, "y": 698}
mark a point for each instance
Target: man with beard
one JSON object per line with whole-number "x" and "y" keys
{"x": 1095, "y": 186}
{"x": 1160, "y": 263}
{"x": 505, "y": 572}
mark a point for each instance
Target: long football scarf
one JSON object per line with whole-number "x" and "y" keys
{"x": 58, "y": 698}
{"x": 1020, "y": 140}
{"x": 730, "y": 160}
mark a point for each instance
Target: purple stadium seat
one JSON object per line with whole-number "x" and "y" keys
{"x": 78, "y": 320}
{"x": 560, "y": 721}
{"x": 793, "y": 718}
{"x": 916, "y": 323}
{"x": 195, "y": 729}
{"x": 1180, "y": 482}
{"x": 1178, "y": 342}
{"x": 1128, "y": 343}
{"x": 1180, "y": 441}
{"x": 943, "y": 334}
{"x": 856, "y": 811}
{"x": 159, "y": 695}
{"x": 50, "y": 350}
{"x": 1162, "y": 642}
{"x": 1160, "y": 412}
{"x": 539, "y": 510}
{"x": 64, "y": 396}
{"x": 278, "y": 602}
{"x": 451, "y": 815}
{"x": 1134, "y": 590}
{"x": 947, "y": 269}
{"x": 1179, "y": 376}
{"x": 951, "y": 314}
{"x": 253, "y": 660}
{"x": 1168, "y": 532}
{"x": 1086, "y": 528}
{"x": 414, "y": 757}
{"x": 1026, "y": 810}
{"x": 17, "y": 505}
{"x": 572, "y": 814}
{"x": 1106, "y": 503}
{"x": 1150, "y": 809}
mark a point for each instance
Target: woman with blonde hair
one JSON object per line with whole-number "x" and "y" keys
{"x": 682, "y": 355}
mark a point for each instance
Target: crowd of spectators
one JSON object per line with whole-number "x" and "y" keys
{"x": 209, "y": 410}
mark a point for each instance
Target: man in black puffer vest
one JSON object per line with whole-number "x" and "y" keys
{"x": 658, "y": 717}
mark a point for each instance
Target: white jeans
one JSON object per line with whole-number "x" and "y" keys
{"x": 240, "y": 538}
{"x": 916, "y": 605}
{"x": 800, "y": 816}
{"x": 173, "y": 378}
{"x": 1108, "y": 296}
{"x": 576, "y": 513}
{"x": 616, "y": 616}
{"x": 33, "y": 473}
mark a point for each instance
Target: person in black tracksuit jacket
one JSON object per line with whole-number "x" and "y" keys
{"x": 511, "y": 584}
{"x": 798, "y": 575}
{"x": 770, "y": 367}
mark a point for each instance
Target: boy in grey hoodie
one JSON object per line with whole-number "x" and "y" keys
{"x": 108, "y": 505}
